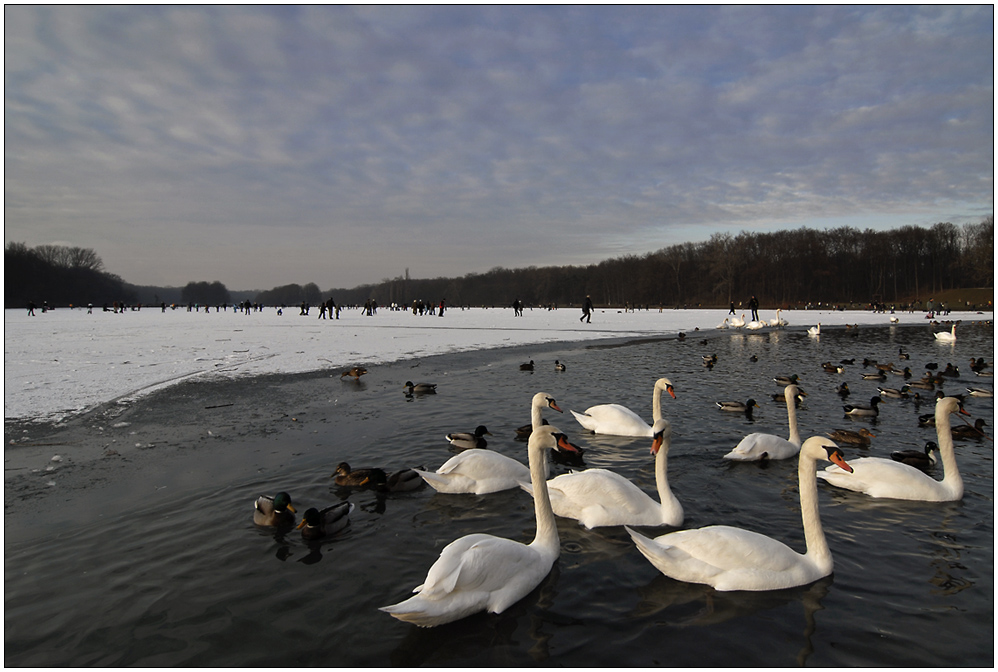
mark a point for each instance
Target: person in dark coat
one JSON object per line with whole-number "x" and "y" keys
{"x": 587, "y": 310}
{"x": 754, "y": 305}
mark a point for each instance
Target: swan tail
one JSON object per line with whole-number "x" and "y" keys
{"x": 587, "y": 421}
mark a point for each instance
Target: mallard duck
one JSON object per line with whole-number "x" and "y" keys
{"x": 951, "y": 371}
{"x": 857, "y": 438}
{"x": 737, "y": 406}
{"x": 891, "y": 393}
{"x": 863, "y": 411}
{"x": 885, "y": 367}
{"x": 529, "y": 366}
{"x": 968, "y": 432}
{"x": 783, "y": 381}
{"x": 902, "y": 354}
{"x": 355, "y": 373}
{"x": 465, "y": 440}
{"x": 274, "y": 511}
{"x": 403, "y": 480}
{"x": 709, "y": 360}
{"x": 879, "y": 375}
{"x": 369, "y": 476}
{"x": 980, "y": 392}
{"x": 781, "y": 398}
{"x": 922, "y": 384}
{"x": 904, "y": 373}
{"x": 920, "y": 459}
{"x": 848, "y": 362}
{"x": 316, "y": 524}
{"x": 419, "y": 388}
{"x": 833, "y": 368}
{"x": 558, "y": 366}
{"x": 932, "y": 366}
{"x": 523, "y": 432}
{"x": 843, "y": 390}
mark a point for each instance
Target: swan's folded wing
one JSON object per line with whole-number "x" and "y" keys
{"x": 477, "y": 562}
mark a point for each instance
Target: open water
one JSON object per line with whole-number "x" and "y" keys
{"x": 183, "y": 577}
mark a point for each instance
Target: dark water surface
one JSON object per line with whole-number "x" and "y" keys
{"x": 148, "y": 555}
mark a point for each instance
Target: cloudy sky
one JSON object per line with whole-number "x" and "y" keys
{"x": 265, "y": 145}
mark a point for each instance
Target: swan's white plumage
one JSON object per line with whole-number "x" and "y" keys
{"x": 757, "y": 445}
{"x": 815, "y": 331}
{"x": 619, "y": 420}
{"x": 600, "y": 498}
{"x": 480, "y": 572}
{"x": 946, "y": 336}
{"x": 480, "y": 471}
{"x": 730, "y": 558}
{"x": 879, "y": 477}
{"x": 738, "y": 322}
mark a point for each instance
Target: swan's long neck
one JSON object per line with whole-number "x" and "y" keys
{"x": 665, "y": 496}
{"x": 814, "y": 535}
{"x": 546, "y": 539}
{"x": 944, "y": 437}
{"x": 656, "y": 404}
{"x": 792, "y": 418}
{"x": 535, "y": 416}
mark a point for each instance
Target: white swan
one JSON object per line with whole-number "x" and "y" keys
{"x": 759, "y": 446}
{"x": 621, "y": 421}
{"x": 600, "y": 498}
{"x": 815, "y": 331}
{"x": 723, "y": 325}
{"x": 879, "y": 477}
{"x": 480, "y": 572}
{"x": 481, "y": 471}
{"x": 738, "y": 322}
{"x": 946, "y": 336}
{"x": 730, "y": 558}
{"x": 755, "y": 324}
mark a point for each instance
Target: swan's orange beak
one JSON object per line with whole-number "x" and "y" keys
{"x": 964, "y": 412}
{"x": 836, "y": 457}
{"x": 656, "y": 443}
{"x": 564, "y": 445}
{"x": 553, "y": 405}
{"x": 672, "y": 392}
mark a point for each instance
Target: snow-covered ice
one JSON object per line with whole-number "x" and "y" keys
{"x": 66, "y": 361}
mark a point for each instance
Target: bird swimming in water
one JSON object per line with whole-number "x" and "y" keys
{"x": 419, "y": 388}
{"x": 316, "y": 524}
{"x": 465, "y": 440}
{"x": 274, "y": 511}
{"x": 366, "y": 477}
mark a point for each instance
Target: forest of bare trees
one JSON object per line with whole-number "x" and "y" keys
{"x": 798, "y": 267}
{"x": 843, "y": 266}
{"x": 59, "y": 275}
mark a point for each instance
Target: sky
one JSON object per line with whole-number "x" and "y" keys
{"x": 261, "y": 146}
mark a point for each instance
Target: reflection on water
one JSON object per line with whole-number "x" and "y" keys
{"x": 195, "y": 583}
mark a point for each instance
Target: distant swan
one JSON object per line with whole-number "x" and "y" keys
{"x": 600, "y": 498}
{"x": 815, "y": 331}
{"x": 946, "y": 336}
{"x": 481, "y": 572}
{"x": 759, "y": 446}
{"x": 738, "y": 322}
{"x": 879, "y": 477}
{"x": 731, "y": 558}
{"x": 619, "y": 420}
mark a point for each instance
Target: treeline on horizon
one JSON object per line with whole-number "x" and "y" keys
{"x": 784, "y": 268}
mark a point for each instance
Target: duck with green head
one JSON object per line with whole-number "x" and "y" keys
{"x": 274, "y": 511}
